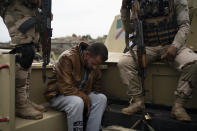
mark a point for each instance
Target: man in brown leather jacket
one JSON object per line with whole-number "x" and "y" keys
{"x": 76, "y": 85}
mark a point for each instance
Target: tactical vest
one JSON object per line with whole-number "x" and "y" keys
{"x": 159, "y": 21}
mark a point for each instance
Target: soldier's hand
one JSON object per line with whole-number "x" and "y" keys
{"x": 38, "y": 2}
{"x": 170, "y": 53}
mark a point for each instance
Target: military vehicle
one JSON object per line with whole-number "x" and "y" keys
{"x": 160, "y": 84}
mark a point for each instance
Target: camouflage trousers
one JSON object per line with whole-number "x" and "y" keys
{"x": 15, "y": 15}
{"x": 185, "y": 63}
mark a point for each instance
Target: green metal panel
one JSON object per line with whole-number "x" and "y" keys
{"x": 37, "y": 85}
{"x": 7, "y": 92}
{"x": 162, "y": 83}
{"x": 112, "y": 84}
{"x": 192, "y": 37}
{"x": 192, "y": 4}
{"x": 52, "y": 121}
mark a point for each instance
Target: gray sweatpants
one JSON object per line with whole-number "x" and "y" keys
{"x": 74, "y": 105}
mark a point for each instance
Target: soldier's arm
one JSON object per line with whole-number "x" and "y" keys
{"x": 126, "y": 21}
{"x": 125, "y": 15}
{"x": 182, "y": 13}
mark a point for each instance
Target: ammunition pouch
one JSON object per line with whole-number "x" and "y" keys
{"x": 163, "y": 27}
{"x": 24, "y": 55}
{"x": 154, "y": 8}
{"x": 159, "y": 34}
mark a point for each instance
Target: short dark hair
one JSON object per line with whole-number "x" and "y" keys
{"x": 98, "y": 49}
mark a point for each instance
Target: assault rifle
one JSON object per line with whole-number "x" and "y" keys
{"x": 141, "y": 51}
{"x": 45, "y": 34}
{"x": 137, "y": 39}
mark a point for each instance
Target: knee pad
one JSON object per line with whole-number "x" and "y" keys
{"x": 24, "y": 54}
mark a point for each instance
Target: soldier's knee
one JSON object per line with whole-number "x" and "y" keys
{"x": 125, "y": 62}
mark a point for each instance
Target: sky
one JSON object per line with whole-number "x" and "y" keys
{"x": 82, "y": 17}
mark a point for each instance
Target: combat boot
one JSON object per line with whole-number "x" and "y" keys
{"x": 178, "y": 112}
{"x": 23, "y": 108}
{"x": 40, "y": 108}
{"x": 135, "y": 106}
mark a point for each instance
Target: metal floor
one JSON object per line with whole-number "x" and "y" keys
{"x": 161, "y": 120}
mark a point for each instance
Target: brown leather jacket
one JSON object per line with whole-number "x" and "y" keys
{"x": 68, "y": 73}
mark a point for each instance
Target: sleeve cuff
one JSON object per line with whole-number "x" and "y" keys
{"x": 177, "y": 45}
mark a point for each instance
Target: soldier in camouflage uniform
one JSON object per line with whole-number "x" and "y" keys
{"x": 15, "y": 14}
{"x": 166, "y": 25}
